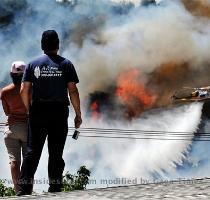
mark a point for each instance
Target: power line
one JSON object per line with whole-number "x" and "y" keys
{"x": 130, "y": 131}
{"x": 140, "y": 132}
{"x": 145, "y": 138}
{"x": 135, "y": 134}
{"x": 126, "y": 130}
{"x": 200, "y": 138}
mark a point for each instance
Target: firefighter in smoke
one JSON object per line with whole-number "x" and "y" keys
{"x": 50, "y": 78}
{"x": 15, "y": 135}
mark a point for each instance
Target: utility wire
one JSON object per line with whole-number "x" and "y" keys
{"x": 140, "y": 132}
{"x": 145, "y": 138}
{"x": 119, "y": 130}
{"x": 123, "y": 130}
{"x": 155, "y": 137}
{"x": 129, "y": 131}
{"x": 136, "y": 134}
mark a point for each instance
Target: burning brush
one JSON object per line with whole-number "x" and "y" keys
{"x": 127, "y": 98}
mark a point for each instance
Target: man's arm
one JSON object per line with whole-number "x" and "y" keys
{"x": 4, "y": 104}
{"x": 75, "y": 100}
{"x": 25, "y": 93}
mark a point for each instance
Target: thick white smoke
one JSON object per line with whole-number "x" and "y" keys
{"x": 124, "y": 158}
{"x": 102, "y": 42}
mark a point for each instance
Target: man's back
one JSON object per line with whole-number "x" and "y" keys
{"x": 50, "y": 75}
{"x": 13, "y": 104}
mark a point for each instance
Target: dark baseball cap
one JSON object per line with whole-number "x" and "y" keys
{"x": 50, "y": 40}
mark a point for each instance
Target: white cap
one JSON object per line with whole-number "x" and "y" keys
{"x": 18, "y": 67}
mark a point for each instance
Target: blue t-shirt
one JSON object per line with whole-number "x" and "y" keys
{"x": 49, "y": 76}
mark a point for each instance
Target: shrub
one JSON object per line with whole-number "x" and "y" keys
{"x": 6, "y": 191}
{"x": 70, "y": 182}
{"x": 76, "y": 182}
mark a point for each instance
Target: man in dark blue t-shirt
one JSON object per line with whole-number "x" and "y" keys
{"x": 47, "y": 81}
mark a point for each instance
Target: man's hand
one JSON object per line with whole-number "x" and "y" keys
{"x": 77, "y": 121}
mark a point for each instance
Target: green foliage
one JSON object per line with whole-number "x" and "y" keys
{"x": 70, "y": 182}
{"x": 6, "y": 191}
{"x": 76, "y": 182}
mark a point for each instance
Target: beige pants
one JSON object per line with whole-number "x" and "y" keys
{"x": 15, "y": 137}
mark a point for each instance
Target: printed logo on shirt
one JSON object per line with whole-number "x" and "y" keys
{"x": 37, "y": 72}
{"x": 48, "y": 71}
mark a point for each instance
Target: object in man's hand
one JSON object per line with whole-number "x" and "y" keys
{"x": 76, "y": 134}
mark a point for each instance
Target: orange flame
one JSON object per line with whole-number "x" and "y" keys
{"x": 132, "y": 92}
{"x": 94, "y": 110}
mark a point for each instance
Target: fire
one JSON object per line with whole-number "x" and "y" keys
{"x": 129, "y": 98}
{"x": 94, "y": 108}
{"x": 132, "y": 92}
